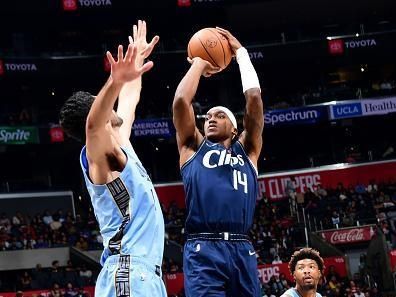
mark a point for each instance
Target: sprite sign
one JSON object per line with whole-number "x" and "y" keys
{"x": 18, "y": 135}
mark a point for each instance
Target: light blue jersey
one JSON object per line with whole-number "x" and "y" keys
{"x": 132, "y": 226}
{"x": 294, "y": 293}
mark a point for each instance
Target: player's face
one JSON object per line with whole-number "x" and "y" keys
{"x": 307, "y": 274}
{"x": 218, "y": 126}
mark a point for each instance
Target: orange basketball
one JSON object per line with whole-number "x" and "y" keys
{"x": 211, "y": 46}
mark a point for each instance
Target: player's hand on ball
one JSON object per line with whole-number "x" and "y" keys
{"x": 207, "y": 68}
{"x": 234, "y": 43}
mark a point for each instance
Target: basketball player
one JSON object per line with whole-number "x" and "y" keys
{"x": 306, "y": 266}
{"x": 124, "y": 200}
{"x": 219, "y": 172}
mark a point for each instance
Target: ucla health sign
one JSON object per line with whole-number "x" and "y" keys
{"x": 366, "y": 107}
{"x": 153, "y": 127}
{"x": 379, "y": 106}
{"x": 305, "y": 115}
{"x": 345, "y": 110}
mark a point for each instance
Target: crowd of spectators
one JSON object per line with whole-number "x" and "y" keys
{"x": 46, "y": 230}
{"x": 350, "y": 206}
{"x": 275, "y": 233}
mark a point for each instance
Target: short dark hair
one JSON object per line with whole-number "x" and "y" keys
{"x": 73, "y": 114}
{"x": 306, "y": 253}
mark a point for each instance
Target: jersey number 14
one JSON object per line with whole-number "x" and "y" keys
{"x": 240, "y": 179}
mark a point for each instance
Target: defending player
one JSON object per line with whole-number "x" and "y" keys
{"x": 122, "y": 194}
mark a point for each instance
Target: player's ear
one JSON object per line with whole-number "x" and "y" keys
{"x": 234, "y": 133}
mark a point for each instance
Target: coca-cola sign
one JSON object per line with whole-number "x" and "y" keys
{"x": 348, "y": 235}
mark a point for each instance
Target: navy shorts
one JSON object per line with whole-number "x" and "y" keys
{"x": 220, "y": 268}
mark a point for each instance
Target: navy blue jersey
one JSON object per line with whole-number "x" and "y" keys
{"x": 221, "y": 189}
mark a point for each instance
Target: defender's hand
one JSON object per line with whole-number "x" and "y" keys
{"x": 144, "y": 49}
{"x": 125, "y": 68}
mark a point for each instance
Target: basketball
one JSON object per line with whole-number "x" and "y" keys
{"x": 211, "y": 46}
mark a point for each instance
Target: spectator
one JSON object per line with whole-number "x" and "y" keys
{"x": 81, "y": 293}
{"x": 26, "y": 281}
{"x": 40, "y": 278}
{"x": 47, "y": 218}
{"x": 86, "y": 275}
{"x": 55, "y": 291}
{"x": 56, "y": 274}
{"x": 82, "y": 244}
{"x": 358, "y": 293}
{"x": 277, "y": 260}
{"x": 332, "y": 273}
{"x": 70, "y": 291}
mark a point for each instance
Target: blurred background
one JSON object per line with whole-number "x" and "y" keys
{"x": 327, "y": 169}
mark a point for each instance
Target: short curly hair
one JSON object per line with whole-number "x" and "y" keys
{"x": 306, "y": 253}
{"x": 73, "y": 114}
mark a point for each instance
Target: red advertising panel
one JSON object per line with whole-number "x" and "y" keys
{"x": 56, "y": 134}
{"x": 267, "y": 271}
{"x": 69, "y": 5}
{"x": 273, "y": 185}
{"x": 1, "y": 67}
{"x": 184, "y": 3}
{"x": 348, "y": 235}
{"x": 392, "y": 258}
{"x": 168, "y": 193}
{"x": 338, "y": 263}
{"x": 174, "y": 281}
{"x": 336, "y": 46}
{"x": 106, "y": 64}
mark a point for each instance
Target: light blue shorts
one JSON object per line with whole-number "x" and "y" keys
{"x": 127, "y": 276}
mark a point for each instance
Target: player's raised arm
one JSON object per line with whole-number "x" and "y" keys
{"x": 188, "y": 136}
{"x": 130, "y": 93}
{"x": 253, "y": 121}
{"x": 98, "y": 138}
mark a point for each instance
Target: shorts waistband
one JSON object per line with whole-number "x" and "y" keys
{"x": 150, "y": 265}
{"x": 227, "y": 236}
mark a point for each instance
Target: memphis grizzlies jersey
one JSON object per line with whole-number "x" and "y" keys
{"x": 221, "y": 189}
{"x": 128, "y": 211}
{"x": 294, "y": 293}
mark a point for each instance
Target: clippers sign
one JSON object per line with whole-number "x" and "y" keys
{"x": 273, "y": 186}
{"x": 349, "y": 235}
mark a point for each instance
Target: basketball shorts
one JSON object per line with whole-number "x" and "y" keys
{"x": 220, "y": 268}
{"x": 127, "y": 276}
